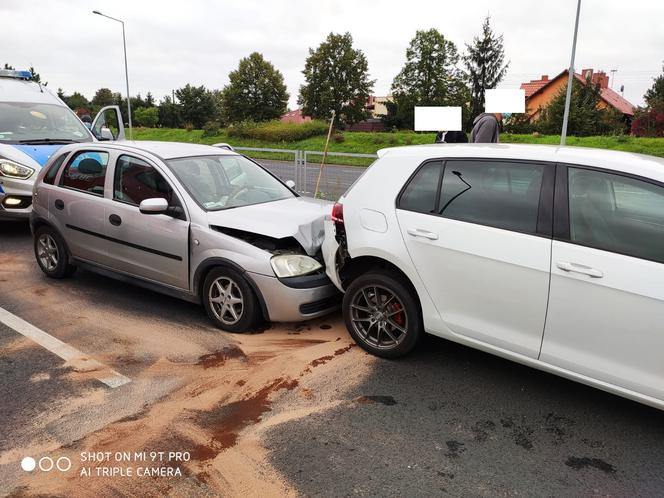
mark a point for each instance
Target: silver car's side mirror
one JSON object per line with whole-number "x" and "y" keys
{"x": 290, "y": 184}
{"x": 157, "y": 205}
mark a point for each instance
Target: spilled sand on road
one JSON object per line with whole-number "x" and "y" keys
{"x": 229, "y": 398}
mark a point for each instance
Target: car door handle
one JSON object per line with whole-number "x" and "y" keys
{"x": 579, "y": 268}
{"x": 418, "y": 232}
{"x": 59, "y": 204}
{"x": 115, "y": 220}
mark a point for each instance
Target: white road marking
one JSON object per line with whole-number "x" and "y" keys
{"x": 68, "y": 353}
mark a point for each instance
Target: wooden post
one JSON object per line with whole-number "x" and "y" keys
{"x": 327, "y": 144}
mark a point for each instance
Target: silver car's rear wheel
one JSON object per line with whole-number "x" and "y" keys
{"x": 226, "y": 300}
{"x": 51, "y": 253}
{"x": 47, "y": 252}
{"x": 378, "y": 317}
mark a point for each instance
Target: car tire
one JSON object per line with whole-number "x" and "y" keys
{"x": 230, "y": 301}
{"x": 382, "y": 314}
{"x": 51, "y": 253}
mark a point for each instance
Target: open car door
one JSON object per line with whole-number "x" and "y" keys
{"x": 108, "y": 124}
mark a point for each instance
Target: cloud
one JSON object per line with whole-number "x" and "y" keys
{"x": 173, "y": 43}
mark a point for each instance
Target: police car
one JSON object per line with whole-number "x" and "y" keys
{"x": 34, "y": 123}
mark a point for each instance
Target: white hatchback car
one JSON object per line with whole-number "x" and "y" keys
{"x": 549, "y": 256}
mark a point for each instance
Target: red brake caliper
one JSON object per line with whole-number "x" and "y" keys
{"x": 399, "y": 317}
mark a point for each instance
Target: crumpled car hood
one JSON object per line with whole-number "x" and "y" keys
{"x": 298, "y": 217}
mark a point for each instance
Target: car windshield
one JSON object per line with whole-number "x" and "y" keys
{"x": 24, "y": 122}
{"x": 223, "y": 182}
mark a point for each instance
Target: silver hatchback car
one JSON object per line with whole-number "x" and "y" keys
{"x": 201, "y": 223}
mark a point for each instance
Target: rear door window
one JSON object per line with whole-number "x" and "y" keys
{"x": 52, "y": 172}
{"x": 86, "y": 172}
{"x": 616, "y": 213}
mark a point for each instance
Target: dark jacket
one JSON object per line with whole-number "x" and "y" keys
{"x": 451, "y": 137}
{"x": 485, "y": 129}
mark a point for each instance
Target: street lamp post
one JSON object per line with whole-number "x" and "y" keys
{"x": 124, "y": 43}
{"x": 570, "y": 76}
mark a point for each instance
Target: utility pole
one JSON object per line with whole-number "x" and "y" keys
{"x": 570, "y": 79}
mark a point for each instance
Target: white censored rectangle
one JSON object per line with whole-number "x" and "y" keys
{"x": 437, "y": 118}
{"x": 506, "y": 100}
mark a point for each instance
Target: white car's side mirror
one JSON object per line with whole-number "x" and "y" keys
{"x": 157, "y": 205}
{"x": 290, "y": 184}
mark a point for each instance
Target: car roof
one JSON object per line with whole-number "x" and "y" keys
{"x": 17, "y": 90}
{"x": 628, "y": 162}
{"x": 167, "y": 150}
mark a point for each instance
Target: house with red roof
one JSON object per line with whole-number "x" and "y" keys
{"x": 540, "y": 93}
{"x": 295, "y": 116}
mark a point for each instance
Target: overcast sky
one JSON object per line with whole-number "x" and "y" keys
{"x": 172, "y": 43}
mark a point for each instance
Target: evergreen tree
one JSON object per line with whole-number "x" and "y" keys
{"x": 336, "y": 79}
{"x": 149, "y": 100}
{"x": 431, "y": 76}
{"x": 654, "y": 97}
{"x": 485, "y": 62}
{"x": 256, "y": 91}
{"x": 585, "y": 118}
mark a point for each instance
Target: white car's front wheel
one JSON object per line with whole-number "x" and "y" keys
{"x": 382, "y": 315}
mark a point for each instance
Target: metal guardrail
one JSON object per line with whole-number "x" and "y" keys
{"x": 305, "y": 180}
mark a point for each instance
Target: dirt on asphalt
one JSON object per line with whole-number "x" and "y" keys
{"x": 225, "y": 401}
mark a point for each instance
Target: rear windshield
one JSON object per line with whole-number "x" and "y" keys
{"x": 23, "y": 122}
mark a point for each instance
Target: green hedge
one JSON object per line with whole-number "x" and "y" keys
{"x": 277, "y": 131}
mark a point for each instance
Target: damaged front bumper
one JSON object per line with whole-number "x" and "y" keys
{"x": 297, "y": 298}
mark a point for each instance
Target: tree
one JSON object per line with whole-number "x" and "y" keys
{"x": 149, "y": 100}
{"x": 430, "y": 77}
{"x": 649, "y": 120}
{"x": 197, "y": 105}
{"x": 76, "y": 101}
{"x": 36, "y": 77}
{"x": 146, "y": 116}
{"x": 585, "y": 118}
{"x": 256, "y": 91}
{"x": 336, "y": 79}
{"x": 485, "y": 64}
{"x": 104, "y": 97}
{"x": 654, "y": 96}
{"x": 169, "y": 114}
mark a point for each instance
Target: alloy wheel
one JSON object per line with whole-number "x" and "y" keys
{"x": 47, "y": 252}
{"x": 226, "y": 300}
{"x": 378, "y": 316}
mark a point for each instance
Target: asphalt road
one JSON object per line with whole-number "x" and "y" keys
{"x": 335, "y": 179}
{"x": 316, "y": 416}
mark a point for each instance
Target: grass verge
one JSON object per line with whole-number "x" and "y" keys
{"x": 369, "y": 143}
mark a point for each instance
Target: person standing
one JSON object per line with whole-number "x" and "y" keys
{"x": 486, "y": 128}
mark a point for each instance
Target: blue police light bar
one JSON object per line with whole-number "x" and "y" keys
{"x": 11, "y": 73}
